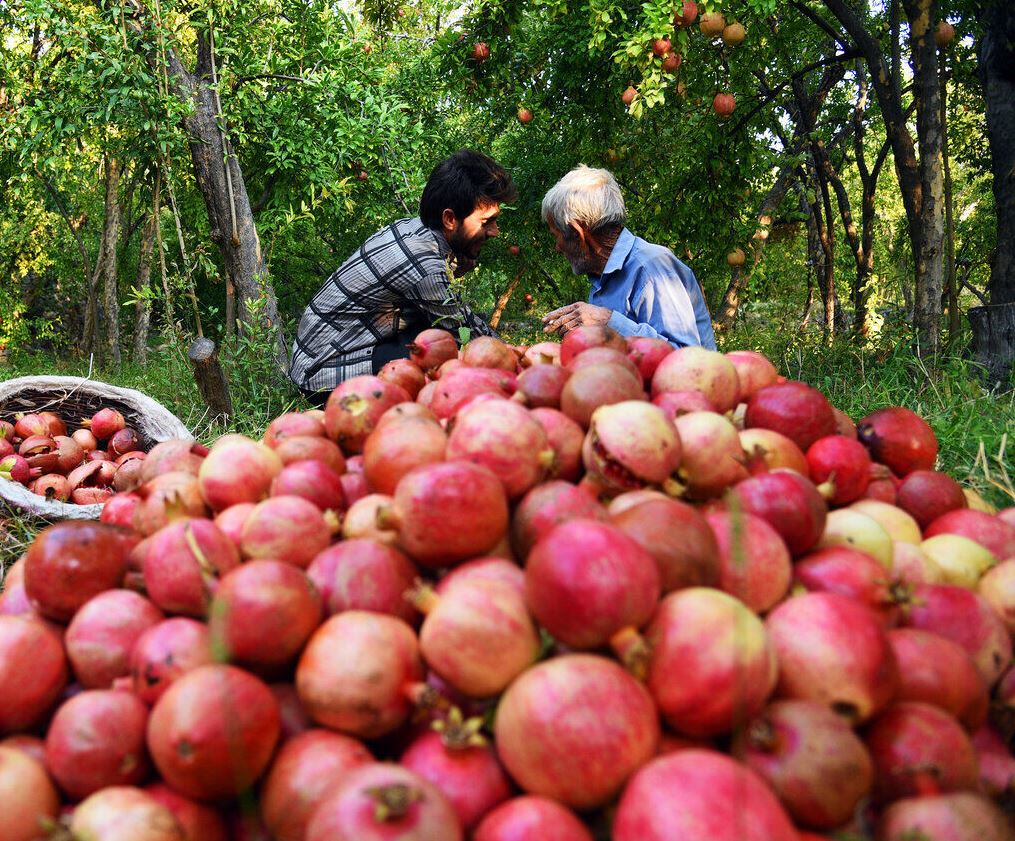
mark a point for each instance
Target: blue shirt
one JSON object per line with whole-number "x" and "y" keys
{"x": 652, "y": 294}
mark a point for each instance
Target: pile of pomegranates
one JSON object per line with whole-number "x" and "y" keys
{"x": 600, "y": 589}
{"x": 86, "y": 467}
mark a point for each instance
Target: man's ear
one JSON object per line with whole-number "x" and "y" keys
{"x": 588, "y": 238}
{"x": 580, "y": 231}
{"x": 449, "y": 222}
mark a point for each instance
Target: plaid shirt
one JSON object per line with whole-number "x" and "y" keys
{"x": 402, "y": 273}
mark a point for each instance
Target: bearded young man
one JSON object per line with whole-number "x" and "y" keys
{"x": 399, "y": 281}
{"x": 637, "y": 288}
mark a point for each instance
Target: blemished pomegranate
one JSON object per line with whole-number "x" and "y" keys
{"x": 463, "y": 767}
{"x": 237, "y": 469}
{"x": 164, "y": 652}
{"x": 960, "y": 816}
{"x": 938, "y": 671}
{"x": 794, "y": 409}
{"x": 315, "y": 481}
{"x": 356, "y": 673}
{"x": 919, "y": 748}
{"x": 833, "y": 649}
{"x": 16, "y": 468}
{"x": 564, "y": 436}
{"x": 585, "y": 581}
{"x": 263, "y": 613}
{"x": 286, "y": 528}
{"x": 97, "y": 739}
{"x": 123, "y": 441}
{"x": 197, "y": 820}
{"x": 530, "y": 816}
{"x": 124, "y": 813}
{"x": 398, "y": 446}
{"x": 754, "y": 563}
{"x": 630, "y": 445}
{"x": 303, "y": 771}
{"x": 613, "y": 729}
{"x": 433, "y": 347}
{"x": 382, "y": 801}
{"x": 700, "y": 794}
{"x": 167, "y": 497}
{"x": 354, "y": 407}
{"x": 713, "y": 459}
{"x": 589, "y": 336}
{"x": 711, "y": 665}
{"x": 102, "y": 634}
{"x": 541, "y": 385}
{"x": 677, "y": 403}
{"x": 691, "y": 561}
{"x": 33, "y": 671}
{"x": 173, "y": 456}
{"x": 789, "y": 503}
{"x": 546, "y": 506}
{"x": 362, "y": 574}
{"x": 589, "y": 388}
{"x": 212, "y": 733}
{"x": 814, "y": 762}
{"x": 28, "y": 795}
{"x": 405, "y": 374}
{"x": 458, "y": 387}
{"x": 926, "y": 495}
{"x": 900, "y": 439}
{"x": 843, "y": 464}
{"x": 699, "y": 369}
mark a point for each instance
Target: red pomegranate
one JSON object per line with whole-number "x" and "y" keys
{"x": 313, "y": 480}
{"x": 589, "y": 336}
{"x": 937, "y": 671}
{"x": 789, "y": 503}
{"x": 677, "y": 403}
{"x": 565, "y": 437}
{"x": 961, "y": 816}
{"x": 164, "y": 652}
{"x": 167, "y": 497}
{"x": 603, "y": 356}
{"x": 173, "y": 456}
{"x": 843, "y": 463}
{"x": 497, "y": 570}
{"x": 794, "y": 409}
{"x": 263, "y": 613}
{"x": 286, "y": 528}
{"x": 102, "y": 634}
{"x": 546, "y": 506}
{"x": 833, "y": 649}
{"x": 380, "y": 802}
{"x": 290, "y": 425}
{"x": 699, "y": 369}
{"x": 433, "y": 347}
{"x": 850, "y": 572}
{"x": 404, "y": 373}
{"x": 754, "y": 563}
{"x": 237, "y": 469}
{"x": 530, "y": 817}
{"x": 399, "y": 445}
{"x": 646, "y": 353}
{"x": 754, "y": 372}
{"x": 124, "y": 813}
{"x": 362, "y": 574}
{"x": 599, "y": 385}
{"x": 997, "y": 765}
{"x": 900, "y": 439}
{"x": 812, "y": 759}
{"x": 212, "y": 733}
{"x": 311, "y": 448}
{"x": 713, "y": 459}
{"x": 195, "y": 819}
{"x": 33, "y": 671}
{"x": 700, "y": 794}
{"x": 458, "y": 387}
{"x": 354, "y": 407}
{"x": 988, "y": 530}
{"x": 303, "y": 771}
{"x": 541, "y": 385}
{"x": 613, "y": 729}
{"x": 356, "y": 671}
{"x": 294, "y": 718}
{"x": 926, "y": 495}
{"x": 489, "y": 352}
{"x": 105, "y": 423}
{"x": 69, "y": 563}
{"x": 711, "y": 665}
{"x": 28, "y": 795}
{"x": 95, "y": 740}
{"x": 585, "y": 581}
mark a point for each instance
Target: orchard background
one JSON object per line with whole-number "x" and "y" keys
{"x": 170, "y": 169}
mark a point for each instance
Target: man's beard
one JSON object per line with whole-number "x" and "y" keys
{"x": 581, "y": 258}
{"x": 463, "y": 246}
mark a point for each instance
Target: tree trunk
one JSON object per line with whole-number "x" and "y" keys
{"x": 111, "y": 292}
{"x": 143, "y": 308}
{"x": 502, "y": 300}
{"x": 951, "y": 289}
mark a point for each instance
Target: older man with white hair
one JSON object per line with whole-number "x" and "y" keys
{"x": 638, "y": 289}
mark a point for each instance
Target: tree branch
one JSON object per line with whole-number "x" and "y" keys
{"x": 821, "y": 23}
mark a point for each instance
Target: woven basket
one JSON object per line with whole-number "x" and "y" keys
{"x": 74, "y": 398}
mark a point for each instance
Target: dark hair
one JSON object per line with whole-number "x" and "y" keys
{"x": 461, "y": 182}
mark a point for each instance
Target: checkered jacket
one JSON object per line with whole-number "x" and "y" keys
{"x": 402, "y": 273}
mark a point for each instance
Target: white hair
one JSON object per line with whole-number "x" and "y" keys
{"x": 585, "y": 195}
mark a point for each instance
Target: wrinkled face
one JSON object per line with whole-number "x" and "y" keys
{"x": 466, "y": 236}
{"x": 578, "y": 254}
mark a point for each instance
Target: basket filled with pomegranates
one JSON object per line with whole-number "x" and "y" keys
{"x": 67, "y": 444}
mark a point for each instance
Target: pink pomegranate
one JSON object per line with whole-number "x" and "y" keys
{"x": 598, "y": 385}
{"x": 919, "y": 749}
{"x": 362, "y": 574}
{"x": 263, "y": 613}
{"x": 700, "y": 794}
{"x": 710, "y": 664}
{"x": 926, "y": 495}
{"x": 7, "y": 448}
{"x": 198, "y": 822}
{"x": 585, "y": 581}
{"x": 589, "y": 336}
{"x": 33, "y": 671}
{"x": 530, "y": 817}
{"x": 546, "y": 506}
{"x": 843, "y": 463}
{"x": 356, "y": 671}
{"x": 311, "y": 448}
{"x": 789, "y": 503}
{"x": 612, "y": 729}
{"x": 646, "y": 353}
{"x": 937, "y": 671}
{"x": 26, "y": 426}
{"x": 834, "y": 650}
{"x": 448, "y": 512}
{"x": 811, "y": 758}
{"x": 477, "y": 636}
{"x": 691, "y": 561}
{"x": 541, "y": 353}
{"x": 53, "y": 487}
{"x": 677, "y": 403}
{"x": 459, "y": 763}
{"x": 489, "y": 352}
{"x": 400, "y": 411}
{"x": 173, "y": 456}
{"x": 237, "y": 470}
{"x": 124, "y": 813}
{"x": 794, "y": 409}
{"x": 767, "y": 449}
{"x": 290, "y": 425}
{"x": 105, "y": 423}
{"x": 458, "y": 387}
{"x": 754, "y": 563}
{"x": 314, "y": 481}
{"x": 354, "y": 407}
{"x": 433, "y": 347}
{"x": 754, "y": 372}
{"x": 960, "y": 816}
{"x": 496, "y": 570}
{"x": 184, "y": 564}
{"x": 124, "y": 441}
{"x": 713, "y": 459}
{"x": 629, "y": 445}
{"x": 230, "y": 520}
{"x": 213, "y": 731}
{"x": 286, "y": 528}
{"x": 28, "y": 795}
{"x": 603, "y": 356}
{"x": 399, "y": 445}
{"x": 6, "y": 430}
{"x": 95, "y": 740}
{"x": 405, "y": 374}
{"x": 988, "y": 530}
{"x": 16, "y": 468}
{"x": 382, "y": 801}
{"x": 167, "y": 497}
{"x": 166, "y": 651}
{"x": 850, "y": 572}
{"x": 700, "y": 369}
{"x": 996, "y": 763}
{"x": 997, "y": 586}
{"x": 967, "y": 619}
{"x": 355, "y": 487}
{"x": 69, "y": 563}
{"x": 305, "y": 769}
{"x": 371, "y": 518}
{"x": 541, "y": 385}
{"x": 564, "y": 436}
{"x": 900, "y": 439}
{"x": 102, "y": 634}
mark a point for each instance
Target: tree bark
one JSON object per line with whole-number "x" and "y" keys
{"x": 502, "y": 300}
{"x": 210, "y": 378}
{"x": 143, "y": 307}
{"x": 951, "y": 289}
{"x": 110, "y": 275}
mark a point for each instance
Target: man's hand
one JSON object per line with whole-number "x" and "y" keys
{"x": 567, "y": 318}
